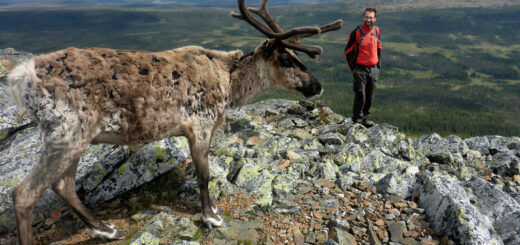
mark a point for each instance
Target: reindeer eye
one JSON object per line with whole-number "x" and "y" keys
{"x": 285, "y": 60}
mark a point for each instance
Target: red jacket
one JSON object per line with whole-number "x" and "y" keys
{"x": 369, "y": 51}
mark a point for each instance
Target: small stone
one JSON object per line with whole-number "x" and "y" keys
{"x": 380, "y": 222}
{"x": 382, "y": 234}
{"x": 311, "y": 237}
{"x": 396, "y": 230}
{"x": 400, "y": 205}
{"x": 318, "y": 215}
{"x": 412, "y": 205}
{"x": 390, "y": 216}
{"x": 372, "y": 236}
{"x": 253, "y": 141}
{"x": 317, "y": 227}
{"x": 412, "y": 218}
{"x": 415, "y": 196}
{"x": 284, "y": 164}
{"x": 322, "y": 238}
{"x": 410, "y": 241}
{"x": 299, "y": 239}
{"x": 55, "y": 214}
{"x": 516, "y": 178}
{"x": 388, "y": 205}
{"x": 49, "y": 222}
{"x": 426, "y": 242}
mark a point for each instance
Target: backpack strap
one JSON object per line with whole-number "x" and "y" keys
{"x": 362, "y": 35}
{"x": 376, "y": 35}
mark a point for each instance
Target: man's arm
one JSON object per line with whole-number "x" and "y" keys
{"x": 379, "y": 47}
{"x": 350, "y": 58}
{"x": 379, "y": 58}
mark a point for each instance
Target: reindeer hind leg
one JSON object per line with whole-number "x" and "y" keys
{"x": 52, "y": 165}
{"x": 66, "y": 189}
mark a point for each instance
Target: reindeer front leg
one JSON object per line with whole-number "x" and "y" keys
{"x": 199, "y": 147}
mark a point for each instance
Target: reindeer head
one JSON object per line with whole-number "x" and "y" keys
{"x": 286, "y": 69}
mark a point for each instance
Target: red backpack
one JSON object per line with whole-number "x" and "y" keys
{"x": 351, "y": 52}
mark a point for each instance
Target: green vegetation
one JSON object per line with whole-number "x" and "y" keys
{"x": 445, "y": 70}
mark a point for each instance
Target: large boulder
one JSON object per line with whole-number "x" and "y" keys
{"x": 452, "y": 213}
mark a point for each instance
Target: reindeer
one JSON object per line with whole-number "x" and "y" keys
{"x": 97, "y": 95}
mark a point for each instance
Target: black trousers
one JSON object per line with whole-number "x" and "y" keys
{"x": 365, "y": 81}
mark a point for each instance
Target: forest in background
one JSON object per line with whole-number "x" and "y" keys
{"x": 446, "y": 69}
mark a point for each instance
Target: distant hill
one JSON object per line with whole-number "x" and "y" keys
{"x": 450, "y": 67}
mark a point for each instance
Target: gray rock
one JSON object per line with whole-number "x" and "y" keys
{"x": 332, "y": 138}
{"x": 349, "y": 154}
{"x": 489, "y": 144}
{"x": 328, "y": 171}
{"x": 255, "y": 178}
{"x": 448, "y": 151}
{"x": 378, "y": 162}
{"x": 448, "y": 205}
{"x": 499, "y": 207}
{"x": 331, "y": 242}
{"x": 16, "y": 57}
{"x": 399, "y": 185}
{"x": 343, "y": 237}
{"x": 239, "y": 230}
{"x": 344, "y": 182}
{"x": 185, "y": 243}
{"x": 396, "y": 230}
{"x": 145, "y": 238}
{"x": 505, "y": 164}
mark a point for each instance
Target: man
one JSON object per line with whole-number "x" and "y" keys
{"x": 363, "y": 55}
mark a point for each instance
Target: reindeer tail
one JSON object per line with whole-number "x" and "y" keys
{"x": 18, "y": 79}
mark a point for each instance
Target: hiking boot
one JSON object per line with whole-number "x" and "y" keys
{"x": 358, "y": 121}
{"x": 368, "y": 124}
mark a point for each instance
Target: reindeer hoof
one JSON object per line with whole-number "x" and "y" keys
{"x": 211, "y": 222}
{"x": 216, "y": 210}
{"x": 114, "y": 235}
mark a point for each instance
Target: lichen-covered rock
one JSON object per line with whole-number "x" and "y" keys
{"x": 377, "y": 161}
{"x": 247, "y": 232}
{"x": 399, "y": 185}
{"x": 283, "y": 188}
{"x": 499, "y": 207}
{"x": 505, "y": 164}
{"x": 255, "y": 178}
{"x": 332, "y": 138}
{"x": 492, "y": 144}
{"x": 147, "y": 163}
{"x": 449, "y": 150}
{"x": 328, "y": 171}
{"x": 452, "y": 212}
{"x": 145, "y": 238}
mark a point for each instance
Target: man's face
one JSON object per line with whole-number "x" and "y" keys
{"x": 369, "y": 19}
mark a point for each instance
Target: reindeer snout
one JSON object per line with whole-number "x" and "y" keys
{"x": 312, "y": 88}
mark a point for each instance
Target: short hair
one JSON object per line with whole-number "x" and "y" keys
{"x": 371, "y": 10}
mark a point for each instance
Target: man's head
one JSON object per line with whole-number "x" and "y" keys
{"x": 369, "y": 17}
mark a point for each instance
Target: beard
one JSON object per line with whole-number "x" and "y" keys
{"x": 370, "y": 24}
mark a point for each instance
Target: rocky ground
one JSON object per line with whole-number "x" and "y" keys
{"x": 284, "y": 172}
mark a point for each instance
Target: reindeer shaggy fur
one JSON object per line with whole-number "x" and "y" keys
{"x": 97, "y": 95}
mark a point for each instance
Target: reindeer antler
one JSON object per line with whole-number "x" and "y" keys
{"x": 290, "y": 38}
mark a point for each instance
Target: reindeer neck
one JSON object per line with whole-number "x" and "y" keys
{"x": 249, "y": 76}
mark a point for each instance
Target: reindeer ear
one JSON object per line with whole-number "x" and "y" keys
{"x": 267, "y": 47}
